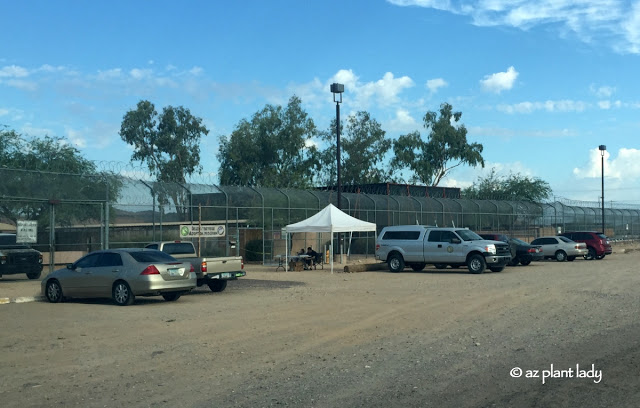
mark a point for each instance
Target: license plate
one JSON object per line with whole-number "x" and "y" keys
{"x": 226, "y": 275}
{"x": 174, "y": 272}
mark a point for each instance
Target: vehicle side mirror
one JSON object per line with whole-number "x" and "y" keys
{"x": 71, "y": 266}
{"x": 455, "y": 240}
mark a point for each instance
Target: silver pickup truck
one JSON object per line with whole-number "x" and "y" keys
{"x": 419, "y": 245}
{"x": 214, "y": 272}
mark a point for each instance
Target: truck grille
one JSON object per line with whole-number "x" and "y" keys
{"x": 503, "y": 249}
{"x": 23, "y": 259}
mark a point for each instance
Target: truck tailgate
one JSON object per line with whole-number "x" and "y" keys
{"x": 224, "y": 264}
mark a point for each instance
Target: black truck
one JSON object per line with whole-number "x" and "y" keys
{"x": 18, "y": 258}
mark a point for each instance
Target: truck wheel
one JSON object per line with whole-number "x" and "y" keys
{"x": 171, "y": 296}
{"x": 396, "y": 263}
{"x": 591, "y": 255}
{"x": 525, "y": 262}
{"x": 476, "y": 264}
{"x": 53, "y": 291}
{"x": 440, "y": 266}
{"x": 561, "y": 256}
{"x": 418, "y": 267}
{"x": 496, "y": 268}
{"x": 600, "y": 256}
{"x": 34, "y": 275}
{"x": 217, "y": 285}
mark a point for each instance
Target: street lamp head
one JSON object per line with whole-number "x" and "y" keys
{"x": 602, "y": 149}
{"x": 337, "y": 89}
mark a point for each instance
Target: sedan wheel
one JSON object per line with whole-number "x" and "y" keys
{"x": 53, "y": 291}
{"x": 122, "y": 294}
{"x": 561, "y": 256}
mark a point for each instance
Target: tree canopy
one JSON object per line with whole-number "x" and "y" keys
{"x": 446, "y": 148}
{"x": 37, "y": 170}
{"x": 363, "y": 147}
{"x": 270, "y": 150}
{"x": 514, "y": 187}
{"x": 168, "y": 143}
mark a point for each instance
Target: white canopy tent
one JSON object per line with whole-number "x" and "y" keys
{"x": 330, "y": 219}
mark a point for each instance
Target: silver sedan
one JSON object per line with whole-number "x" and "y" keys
{"x": 561, "y": 248}
{"x": 121, "y": 274}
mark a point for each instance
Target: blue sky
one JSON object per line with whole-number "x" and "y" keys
{"x": 539, "y": 83}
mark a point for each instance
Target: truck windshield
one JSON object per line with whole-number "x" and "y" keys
{"x": 468, "y": 235}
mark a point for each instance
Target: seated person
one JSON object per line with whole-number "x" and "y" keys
{"x": 313, "y": 255}
{"x": 301, "y": 252}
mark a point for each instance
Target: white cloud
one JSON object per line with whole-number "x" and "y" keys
{"x": 138, "y": 73}
{"x": 500, "y": 81}
{"x": 110, "y": 74}
{"x": 625, "y": 166}
{"x": 383, "y": 92}
{"x": 604, "y": 104}
{"x": 403, "y": 122}
{"x": 614, "y": 21}
{"x": 549, "y": 106}
{"x": 13, "y": 71}
{"x": 196, "y": 71}
{"x": 434, "y": 84}
{"x": 75, "y": 137}
{"x": 602, "y": 91}
{"x": 30, "y": 130}
{"x": 4, "y": 112}
{"x": 22, "y": 84}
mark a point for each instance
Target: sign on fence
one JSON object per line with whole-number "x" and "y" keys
{"x": 27, "y": 232}
{"x": 207, "y": 231}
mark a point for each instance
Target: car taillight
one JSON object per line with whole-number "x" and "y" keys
{"x": 377, "y": 247}
{"x": 242, "y": 263}
{"x": 532, "y": 250}
{"x": 191, "y": 270}
{"x": 150, "y": 270}
{"x": 203, "y": 266}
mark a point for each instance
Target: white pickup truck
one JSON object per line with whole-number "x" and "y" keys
{"x": 213, "y": 272}
{"x": 418, "y": 245}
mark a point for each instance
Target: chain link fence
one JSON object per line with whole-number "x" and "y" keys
{"x": 77, "y": 214}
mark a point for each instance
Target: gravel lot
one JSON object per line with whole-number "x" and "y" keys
{"x": 313, "y": 339}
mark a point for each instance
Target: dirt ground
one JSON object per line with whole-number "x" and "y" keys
{"x": 315, "y": 339}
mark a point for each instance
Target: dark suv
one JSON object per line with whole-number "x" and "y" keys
{"x": 597, "y": 243}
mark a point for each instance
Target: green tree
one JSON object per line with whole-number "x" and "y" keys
{"x": 271, "y": 150}
{"x": 363, "y": 147}
{"x": 168, "y": 143}
{"x": 446, "y": 148}
{"x": 36, "y": 171}
{"x": 514, "y": 187}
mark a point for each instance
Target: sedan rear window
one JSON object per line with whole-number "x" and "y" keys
{"x": 152, "y": 256}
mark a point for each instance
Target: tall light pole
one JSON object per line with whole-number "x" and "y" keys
{"x": 337, "y": 90}
{"x": 602, "y": 149}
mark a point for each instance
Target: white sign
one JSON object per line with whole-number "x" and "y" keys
{"x": 207, "y": 231}
{"x": 27, "y": 232}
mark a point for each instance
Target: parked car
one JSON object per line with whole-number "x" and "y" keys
{"x": 121, "y": 274}
{"x": 525, "y": 253}
{"x": 561, "y": 248}
{"x": 17, "y": 258}
{"x": 521, "y": 252}
{"x": 597, "y": 243}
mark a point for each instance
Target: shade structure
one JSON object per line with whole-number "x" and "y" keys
{"x": 330, "y": 219}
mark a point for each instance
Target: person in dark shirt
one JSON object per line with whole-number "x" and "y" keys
{"x": 313, "y": 256}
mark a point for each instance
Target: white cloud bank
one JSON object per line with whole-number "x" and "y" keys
{"x": 616, "y": 22}
{"x": 500, "y": 81}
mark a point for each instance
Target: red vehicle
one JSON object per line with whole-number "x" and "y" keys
{"x": 597, "y": 243}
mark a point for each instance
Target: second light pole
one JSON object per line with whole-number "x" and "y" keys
{"x": 602, "y": 149}
{"x": 337, "y": 90}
